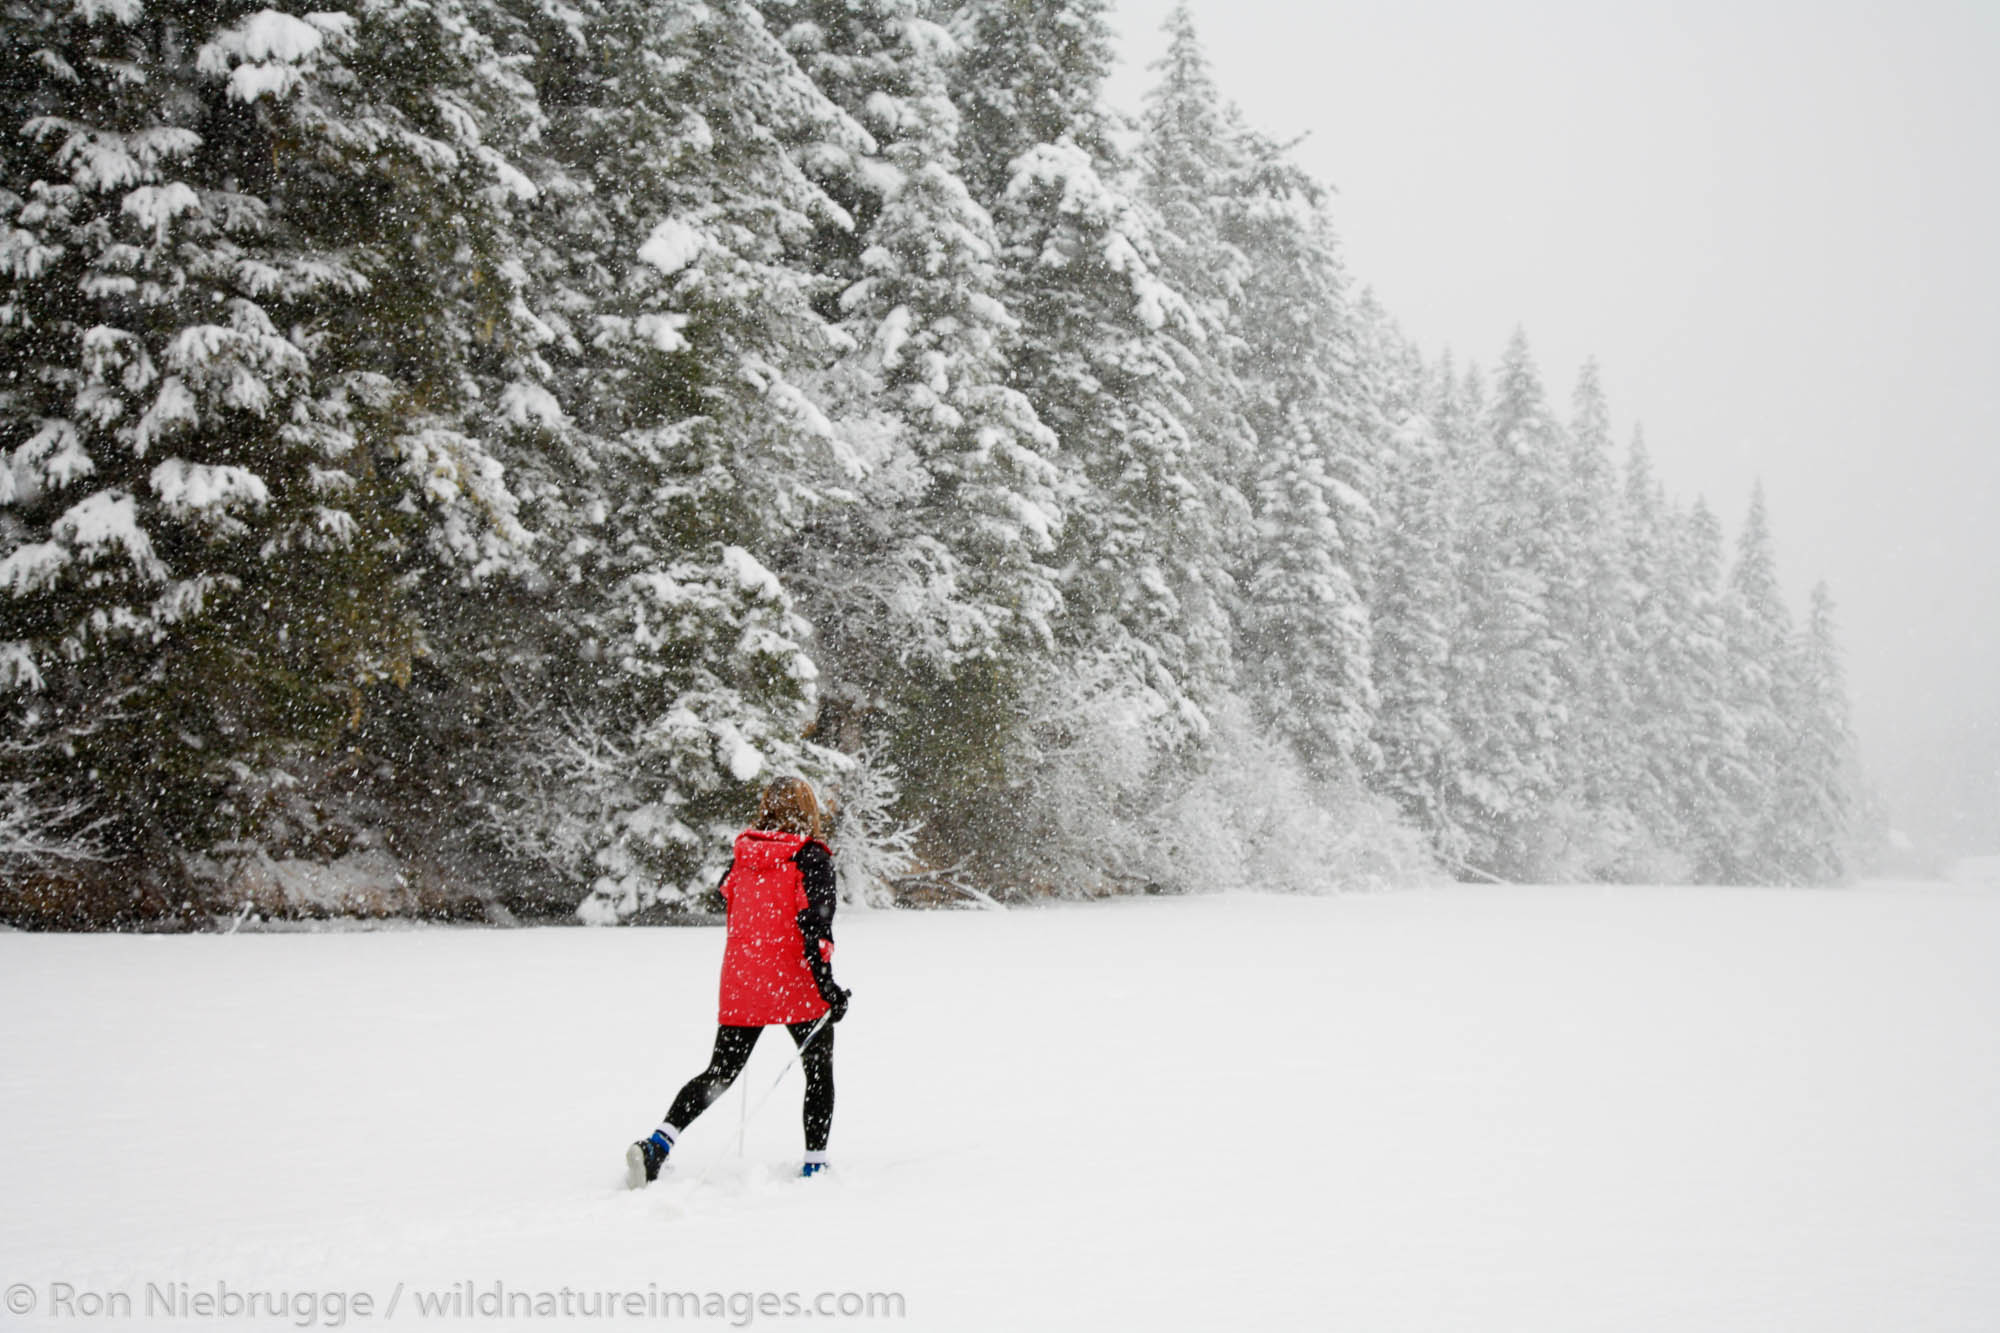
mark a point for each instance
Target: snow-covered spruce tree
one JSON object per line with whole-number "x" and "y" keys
{"x": 1757, "y": 641}
{"x": 1415, "y": 612}
{"x": 659, "y": 669}
{"x": 933, "y": 590}
{"x": 1099, "y": 361}
{"x": 211, "y": 469}
{"x": 1659, "y": 674}
{"x": 1103, "y": 355}
{"x": 1312, "y": 395}
{"x": 1459, "y": 419}
{"x": 1813, "y": 802}
{"x": 1711, "y": 771}
{"x": 1510, "y": 709}
{"x": 441, "y": 323}
{"x": 1104, "y": 352}
{"x": 1590, "y": 611}
{"x": 1210, "y": 184}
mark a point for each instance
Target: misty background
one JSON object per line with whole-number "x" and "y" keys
{"x": 1772, "y": 225}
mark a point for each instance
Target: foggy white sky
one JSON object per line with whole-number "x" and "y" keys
{"x": 1776, "y": 224}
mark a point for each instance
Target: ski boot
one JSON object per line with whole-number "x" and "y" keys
{"x": 644, "y": 1159}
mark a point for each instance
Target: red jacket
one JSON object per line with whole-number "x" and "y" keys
{"x": 766, "y": 977}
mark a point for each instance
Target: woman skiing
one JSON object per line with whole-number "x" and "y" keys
{"x": 777, "y": 967}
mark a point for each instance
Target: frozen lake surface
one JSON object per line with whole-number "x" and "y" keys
{"x": 1473, "y": 1108}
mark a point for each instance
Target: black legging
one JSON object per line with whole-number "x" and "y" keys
{"x": 732, "y": 1048}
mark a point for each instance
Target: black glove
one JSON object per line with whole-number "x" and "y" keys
{"x": 837, "y": 1003}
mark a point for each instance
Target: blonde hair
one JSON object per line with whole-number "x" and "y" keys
{"x": 789, "y": 806}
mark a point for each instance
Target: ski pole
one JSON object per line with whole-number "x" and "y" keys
{"x": 751, "y": 1111}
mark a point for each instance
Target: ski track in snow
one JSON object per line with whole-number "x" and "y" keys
{"x": 1467, "y": 1108}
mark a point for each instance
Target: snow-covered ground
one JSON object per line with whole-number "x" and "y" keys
{"x": 1472, "y": 1108}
